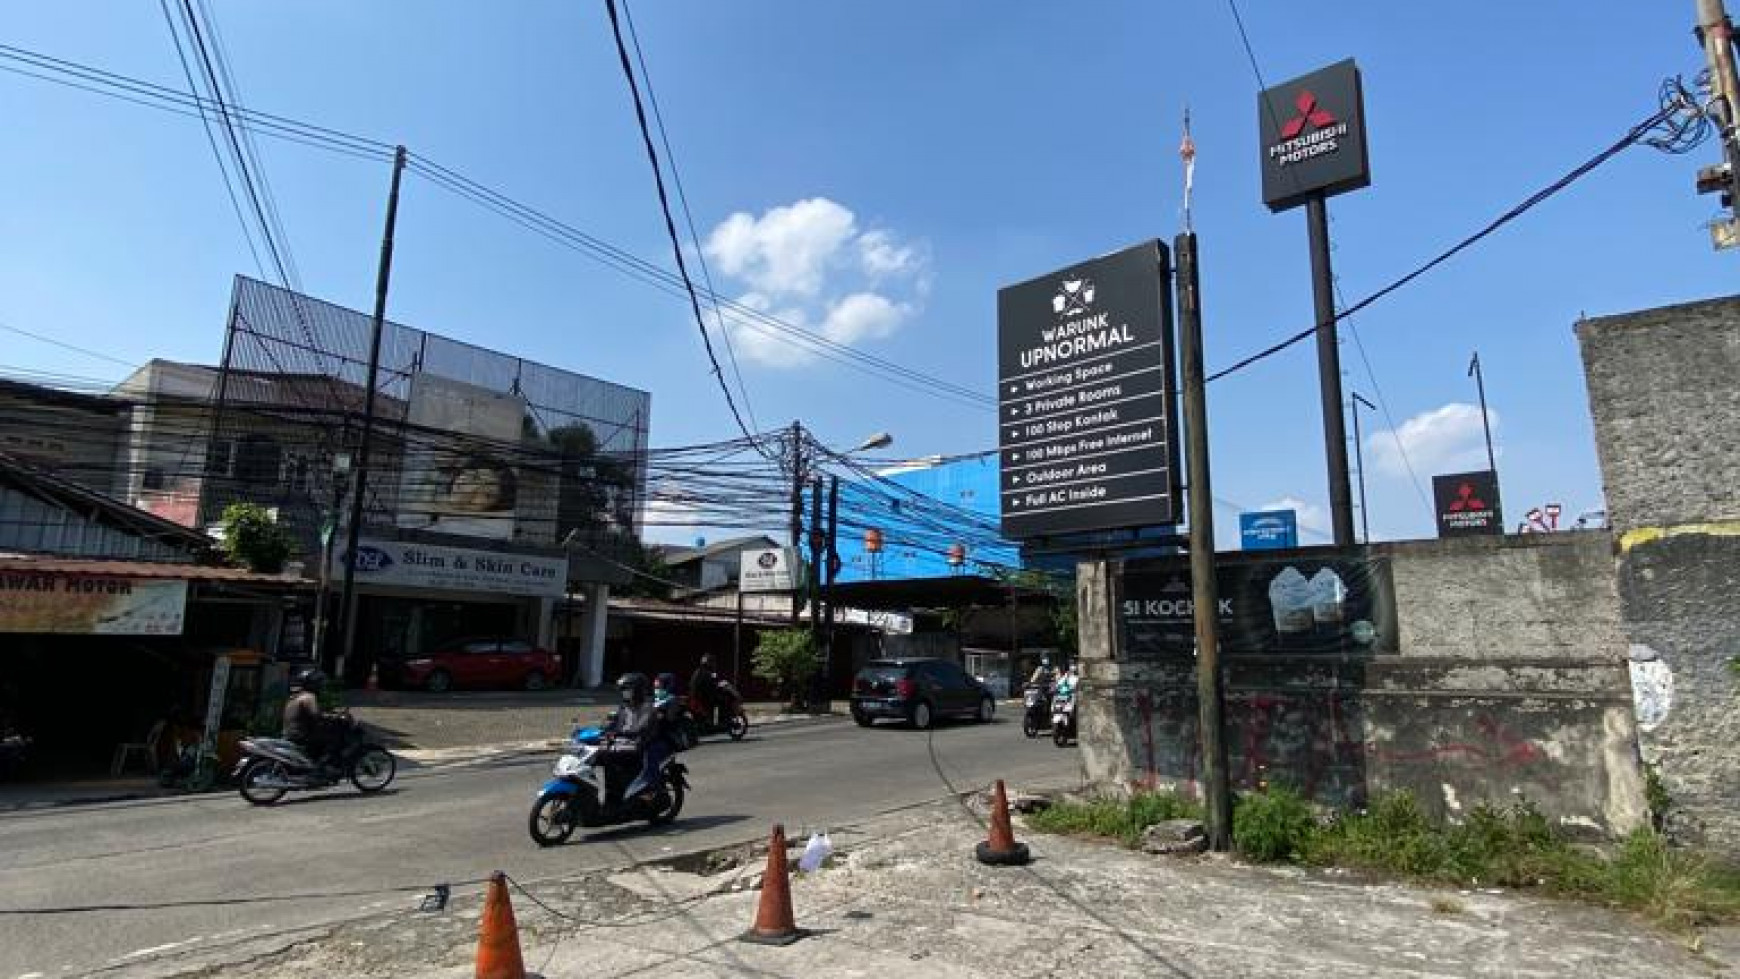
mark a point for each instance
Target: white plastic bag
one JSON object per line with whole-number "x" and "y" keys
{"x": 816, "y": 852}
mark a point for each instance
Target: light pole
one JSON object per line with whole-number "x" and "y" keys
{"x": 1359, "y": 463}
{"x": 1479, "y": 376}
{"x": 825, "y": 559}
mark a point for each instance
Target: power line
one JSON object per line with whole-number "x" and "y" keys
{"x": 1634, "y": 135}
{"x": 67, "y": 346}
{"x": 688, "y": 216}
{"x": 652, "y": 157}
{"x": 148, "y": 94}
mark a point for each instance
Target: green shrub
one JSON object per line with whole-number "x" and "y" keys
{"x": 1273, "y": 825}
{"x": 1123, "y": 820}
{"x": 252, "y": 537}
{"x": 787, "y": 658}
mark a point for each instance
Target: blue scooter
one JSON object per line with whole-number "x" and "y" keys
{"x": 580, "y": 792}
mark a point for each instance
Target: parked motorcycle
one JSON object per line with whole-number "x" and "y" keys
{"x": 583, "y": 790}
{"x": 270, "y": 767}
{"x": 730, "y": 707}
{"x": 1036, "y": 714}
{"x": 1063, "y": 719}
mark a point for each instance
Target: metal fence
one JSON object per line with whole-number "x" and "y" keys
{"x": 469, "y": 443}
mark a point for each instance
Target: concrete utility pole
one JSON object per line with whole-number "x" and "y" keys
{"x": 1716, "y": 34}
{"x": 384, "y": 274}
{"x": 797, "y": 514}
{"x": 1359, "y": 463}
{"x": 1204, "y": 590}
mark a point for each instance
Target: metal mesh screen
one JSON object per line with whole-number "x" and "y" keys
{"x": 468, "y": 443}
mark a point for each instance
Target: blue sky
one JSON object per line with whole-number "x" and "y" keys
{"x": 878, "y": 171}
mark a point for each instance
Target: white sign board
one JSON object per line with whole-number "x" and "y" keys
{"x": 894, "y": 623}
{"x": 406, "y": 564}
{"x": 770, "y": 569}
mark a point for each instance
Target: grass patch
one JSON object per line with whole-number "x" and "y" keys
{"x": 1516, "y": 847}
{"x": 1513, "y": 847}
{"x": 1119, "y": 819}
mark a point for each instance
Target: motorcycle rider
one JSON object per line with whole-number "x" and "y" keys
{"x": 640, "y": 720}
{"x": 304, "y": 723}
{"x": 1043, "y": 675}
{"x": 704, "y": 683}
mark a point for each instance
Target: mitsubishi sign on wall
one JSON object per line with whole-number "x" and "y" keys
{"x": 1467, "y": 504}
{"x": 1084, "y": 384}
{"x": 1313, "y": 136}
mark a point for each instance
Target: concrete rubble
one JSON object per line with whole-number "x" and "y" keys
{"x": 903, "y": 895}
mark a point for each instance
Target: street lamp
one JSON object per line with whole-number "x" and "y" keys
{"x": 1359, "y": 462}
{"x": 881, "y": 440}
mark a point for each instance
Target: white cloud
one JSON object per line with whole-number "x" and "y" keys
{"x": 1443, "y": 440}
{"x": 809, "y": 265}
{"x": 786, "y": 251}
{"x": 862, "y": 316}
{"x": 1313, "y": 517}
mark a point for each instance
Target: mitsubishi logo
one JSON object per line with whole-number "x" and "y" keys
{"x": 1310, "y": 113}
{"x": 1466, "y": 500}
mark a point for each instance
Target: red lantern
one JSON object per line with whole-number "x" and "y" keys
{"x": 957, "y": 555}
{"x": 873, "y": 541}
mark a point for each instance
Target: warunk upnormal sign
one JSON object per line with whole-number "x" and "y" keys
{"x": 1085, "y": 384}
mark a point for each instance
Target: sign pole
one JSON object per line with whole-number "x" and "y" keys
{"x": 1204, "y": 592}
{"x": 1359, "y": 463}
{"x": 1329, "y": 371}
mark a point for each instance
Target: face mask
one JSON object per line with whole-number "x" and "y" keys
{"x": 628, "y": 696}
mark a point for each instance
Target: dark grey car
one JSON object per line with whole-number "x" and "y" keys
{"x": 918, "y": 691}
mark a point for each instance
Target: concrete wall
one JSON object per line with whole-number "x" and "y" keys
{"x": 1665, "y": 398}
{"x": 1508, "y": 682}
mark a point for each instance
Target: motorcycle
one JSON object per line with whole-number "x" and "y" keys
{"x": 700, "y": 721}
{"x": 271, "y": 767}
{"x": 1036, "y": 714}
{"x": 1063, "y": 718}
{"x": 581, "y": 792}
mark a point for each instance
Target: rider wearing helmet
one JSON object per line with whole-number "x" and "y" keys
{"x": 639, "y": 719}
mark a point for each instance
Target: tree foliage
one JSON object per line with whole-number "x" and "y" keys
{"x": 253, "y": 538}
{"x": 788, "y": 659}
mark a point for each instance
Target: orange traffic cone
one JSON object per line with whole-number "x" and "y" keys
{"x": 774, "y": 924}
{"x": 1001, "y": 850}
{"x": 498, "y": 937}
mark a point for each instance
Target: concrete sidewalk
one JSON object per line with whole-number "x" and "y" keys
{"x": 905, "y": 897}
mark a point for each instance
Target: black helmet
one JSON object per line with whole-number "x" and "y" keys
{"x": 633, "y": 686}
{"x": 311, "y": 680}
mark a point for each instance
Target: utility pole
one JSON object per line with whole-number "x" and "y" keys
{"x": 348, "y": 601}
{"x": 813, "y": 584}
{"x": 1716, "y": 34}
{"x": 797, "y": 514}
{"x": 1359, "y": 463}
{"x": 340, "y": 473}
{"x": 1204, "y": 590}
{"x": 1328, "y": 370}
{"x": 1479, "y": 376}
{"x": 832, "y": 557}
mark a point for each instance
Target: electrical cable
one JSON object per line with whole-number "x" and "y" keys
{"x": 670, "y": 223}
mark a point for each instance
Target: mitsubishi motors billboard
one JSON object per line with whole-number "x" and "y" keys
{"x": 1312, "y": 134}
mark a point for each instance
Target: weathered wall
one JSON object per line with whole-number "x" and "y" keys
{"x": 1507, "y": 681}
{"x": 1664, "y": 390}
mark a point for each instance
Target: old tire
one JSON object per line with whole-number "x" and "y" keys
{"x": 987, "y": 710}
{"x": 922, "y": 718}
{"x": 536, "y": 680}
{"x": 862, "y": 719}
{"x": 737, "y": 726}
{"x": 439, "y": 681}
{"x": 1028, "y": 727}
{"x": 1059, "y": 736}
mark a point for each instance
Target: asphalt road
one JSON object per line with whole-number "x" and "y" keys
{"x": 450, "y": 824}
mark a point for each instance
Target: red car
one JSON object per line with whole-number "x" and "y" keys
{"x": 477, "y": 663}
